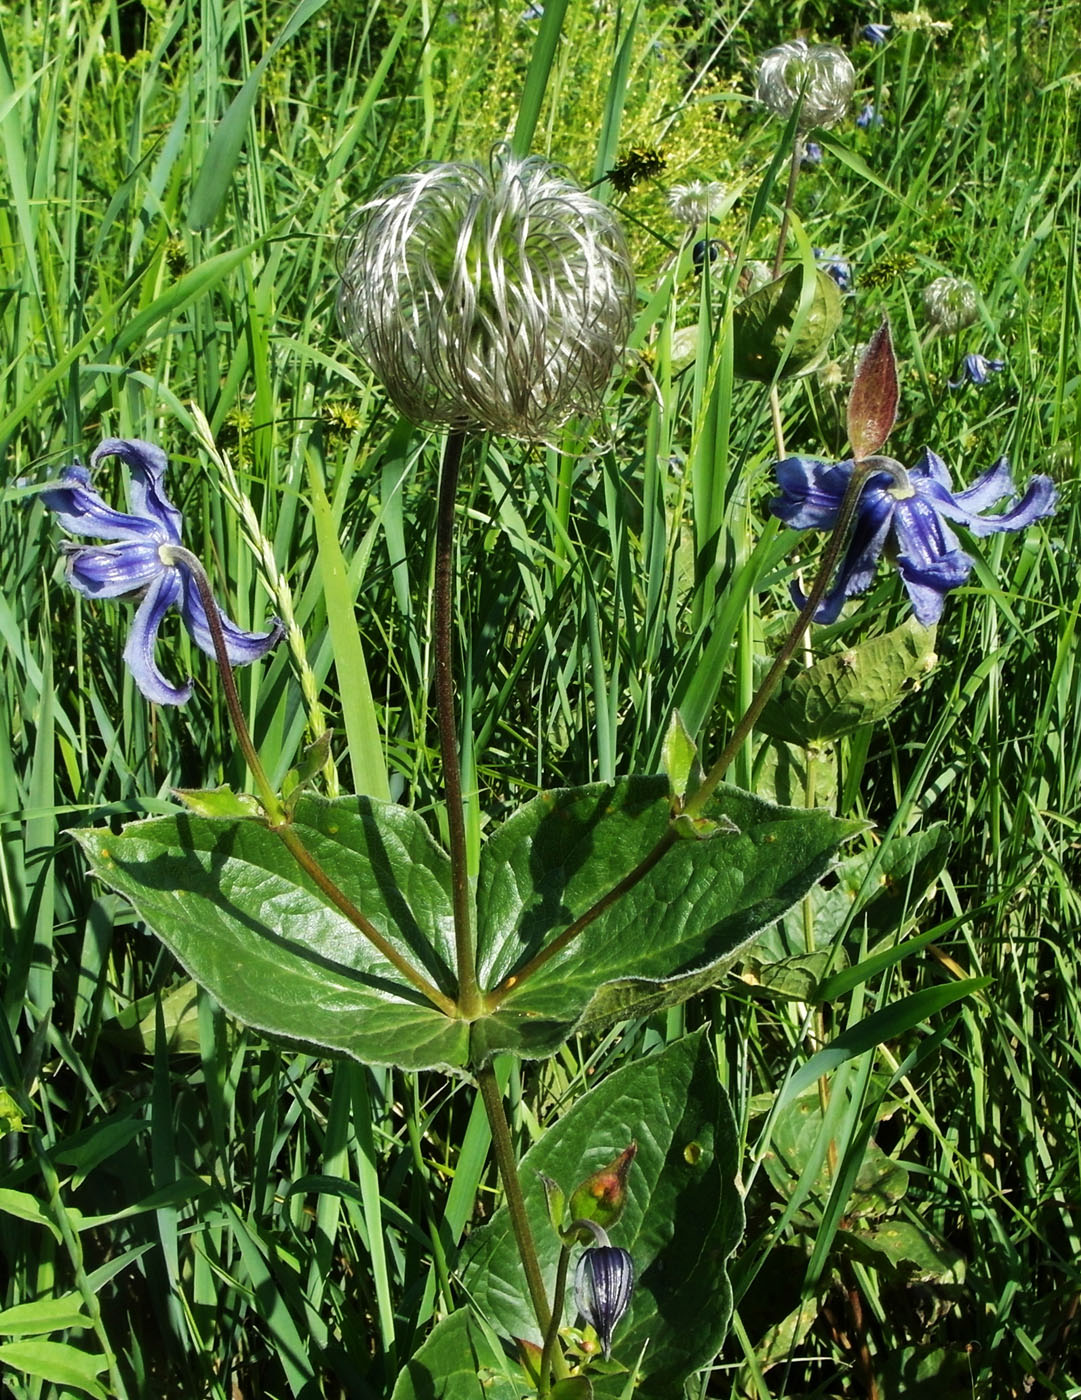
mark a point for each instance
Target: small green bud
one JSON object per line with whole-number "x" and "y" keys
{"x": 603, "y": 1194}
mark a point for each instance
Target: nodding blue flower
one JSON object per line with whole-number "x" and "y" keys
{"x": 868, "y": 117}
{"x": 144, "y": 559}
{"x": 603, "y": 1283}
{"x": 837, "y": 268}
{"x": 876, "y": 33}
{"x": 976, "y": 369}
{"x": 904, "y": 514}
{"x": 705, "y": 248}
{"x": 811, "y": 154}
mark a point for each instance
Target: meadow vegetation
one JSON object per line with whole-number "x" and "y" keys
{"x": 232, "y": 1218}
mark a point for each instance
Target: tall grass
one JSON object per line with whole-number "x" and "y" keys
{"x": 200, "y": 1213}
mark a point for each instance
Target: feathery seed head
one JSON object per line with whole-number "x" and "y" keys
{"x": 697, "y": 201}
{"x": 492, "y": 299}
{"x": 819, "y": 77}
{"x": 950, "y": 304}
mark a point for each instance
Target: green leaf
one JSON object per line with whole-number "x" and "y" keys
{"x": 45, "y": 1315}
{"x": 682, "y": 1221}
{"x": 458, "y": 1362}
{"x": 779, "y": 330}
{"x": 857, "y": 686}
{"x": 11, "y": 1118}
{"x": 884, "y": 885}
{"x": 229, "y": 901}
{"x": 56, "y": 1361}
{"x": 219, "y": 802}
{"x": 223, "y": 149}
{"x": 673, "y": 934}
{"x": 906, "y": 1248}
{"x": 796, "y": 1138}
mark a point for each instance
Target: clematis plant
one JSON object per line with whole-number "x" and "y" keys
{"x": 144, "y": 558}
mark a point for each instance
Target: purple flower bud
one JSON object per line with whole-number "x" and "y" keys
{"x": 876, "y": 33}
{"x": 603, "y": 1283}
{"x": 811, "y": 153}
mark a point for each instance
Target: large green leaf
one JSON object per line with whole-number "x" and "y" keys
{"x": 458, "y": 1362}
{"x": 230, "y": 902}
{"x": 683, "y": 1217}
{"x": 671, "y": 935}
{"x": 227, "y": 897}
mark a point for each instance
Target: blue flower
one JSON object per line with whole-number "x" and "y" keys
{"x": 976, "y": 369}
{"x": 908, "y": 522}
{"x": 837, "y": 268}
{"x": 603, "y": 1283}
{"x": 811, "y": 153}
{"x": 869, "y": 117}
{"x": 137, "y": 561}
{"x": 876, "y": 33}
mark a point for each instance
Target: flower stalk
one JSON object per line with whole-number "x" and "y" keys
{"x": 469, "y": 1003}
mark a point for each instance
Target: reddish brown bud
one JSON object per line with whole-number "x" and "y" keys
{"x": 603, "y": 1194}
{"x": 872, "y": 404}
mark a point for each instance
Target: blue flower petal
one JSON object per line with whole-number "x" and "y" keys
{"x": 812, "y": 492}
{"x": 928, "y": 582}
{"x": 242, "y": 647}
{"x": 1038, "y": 502}
{"x": 112, "y": 570}
{"x": 81, "y": 511}
{"x": 147, "y": 464}
{"x": 139, "y": 649}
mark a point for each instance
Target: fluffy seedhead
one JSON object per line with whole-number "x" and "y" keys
{"x": 494, "y": 298}
{"x": 818, "y": 77}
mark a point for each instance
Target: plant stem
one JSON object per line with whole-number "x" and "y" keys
{"x": 469, "y": 1001}
{"x": 277, "y": 817}
{"x": 846, "y": 516}
{"x": 177, "y": 554}
{"x": 789, "y": 198}
{"x": 512, "y": 1189}
{"x": 569, "y": 934}
{"x": 551, "y": 1339}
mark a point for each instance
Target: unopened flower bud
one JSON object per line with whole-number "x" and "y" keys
{"x": 950, "y": 304}
{"x": 603, "y": 1283}
{"x": 496, "y": 298}
{"x": 817, "y": 77}
{"x": 603, "y": 1194}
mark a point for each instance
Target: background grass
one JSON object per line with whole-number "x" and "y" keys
{"x": 231, "y": 1219}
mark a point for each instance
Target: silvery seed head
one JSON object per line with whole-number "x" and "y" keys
{"x": 697, "y": 201}
{"x": 950, "y": 304}
{"x": 820, "y": 74}
{"x": 496, "y": 299}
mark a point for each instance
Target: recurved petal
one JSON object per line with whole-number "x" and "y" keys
{"x": 987, "y": 490}
{"x": 139, "y": 649}
{"x": 111, "y": 570}
{"x": 146, "y": 463}
{"x": 242, "y": 647}
{"x": 1038, "y": 502}
{"x": 81, "y": 511}
{"x": 811, "y": 492}
{"x": 928, "y": 582}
